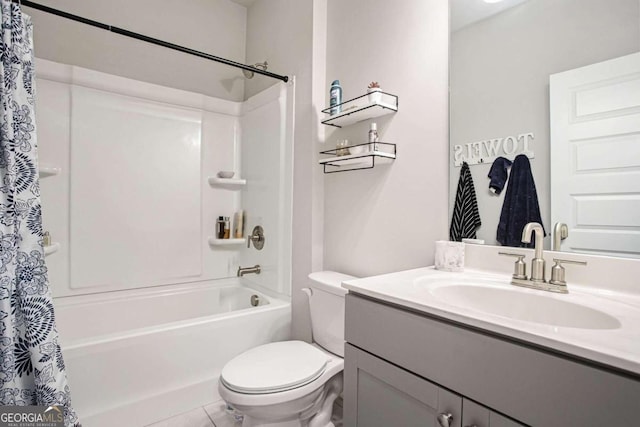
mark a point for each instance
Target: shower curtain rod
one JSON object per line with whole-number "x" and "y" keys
{"x": 147, "y": 39}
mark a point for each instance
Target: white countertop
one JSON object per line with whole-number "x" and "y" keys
{"x": 618, "y": 347}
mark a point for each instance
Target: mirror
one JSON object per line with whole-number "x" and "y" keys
{"x": 502, "y": 58}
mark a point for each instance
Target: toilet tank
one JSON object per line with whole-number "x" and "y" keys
{"x": 326, "y": 303}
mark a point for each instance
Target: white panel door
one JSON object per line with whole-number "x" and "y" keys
{"x": 595, "y": 156}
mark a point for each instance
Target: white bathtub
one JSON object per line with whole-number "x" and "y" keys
{"x": 136, "y": 357}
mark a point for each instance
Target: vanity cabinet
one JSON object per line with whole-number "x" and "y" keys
{"x": 405, "y": 367}
{"x": 381, "y": 394}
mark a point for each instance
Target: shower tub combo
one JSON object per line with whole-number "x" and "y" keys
{"x": 140, "y": 356}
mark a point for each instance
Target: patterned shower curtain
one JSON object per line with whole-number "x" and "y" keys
{"x": 32, "y": 371}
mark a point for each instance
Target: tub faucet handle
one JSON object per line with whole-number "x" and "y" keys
{"x": 257, "y": 237}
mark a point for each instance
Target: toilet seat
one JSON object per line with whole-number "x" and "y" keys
{"x": 274, "y": 368}
{"x": 334, "y": 366}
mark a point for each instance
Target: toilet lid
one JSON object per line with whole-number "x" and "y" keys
{"x": 274, "y": 367}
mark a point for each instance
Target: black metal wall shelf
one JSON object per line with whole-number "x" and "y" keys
{"x": 362, "y": 108}
{"x": 383, "y": 152}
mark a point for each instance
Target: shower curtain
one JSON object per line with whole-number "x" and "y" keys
{"x": 31, "y": 367}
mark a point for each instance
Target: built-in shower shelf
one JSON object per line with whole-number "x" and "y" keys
{"x": 52, "y": 248}
{"x": 214, "y": 180}
{"x": 213, "y": 241}
{"x": 362, "y": 108}
{"x": 46, "y": 171}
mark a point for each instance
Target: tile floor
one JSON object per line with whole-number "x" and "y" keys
{"x": 214, "y": 415}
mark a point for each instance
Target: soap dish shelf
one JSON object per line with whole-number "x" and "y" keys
{"x": 214, "y": 180}
{"x": 213, "y": 241}
{"x": 52, "y": 248}
{"x": 385, "y": 152}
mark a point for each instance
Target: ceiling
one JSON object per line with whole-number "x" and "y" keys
{"x": 467, "y": 12}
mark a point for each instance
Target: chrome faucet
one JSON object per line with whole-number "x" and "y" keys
{"x": 248, "y": 270}
{"x": 537, "y": 280}
{"x": 537, "y": 263}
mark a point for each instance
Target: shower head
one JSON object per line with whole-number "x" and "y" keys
{"x": 249, "y": 74}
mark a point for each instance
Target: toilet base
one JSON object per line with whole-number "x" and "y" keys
{"x": 314, "y": 410}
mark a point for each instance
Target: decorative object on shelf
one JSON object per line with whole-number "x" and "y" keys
{"x": 335, "y": 97}
{"x": 385, "y": 153}
{"x": 374, "y": 93}
{"x": 226, "y": 174}
{"x": 342, "y": 147}
{"x": 214, "y": 180}
{"x": 360, "y": 108}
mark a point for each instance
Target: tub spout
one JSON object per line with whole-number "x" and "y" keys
{"x": 248, "y": 270}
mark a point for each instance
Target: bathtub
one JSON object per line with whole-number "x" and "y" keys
{"x": 136, "y": 357}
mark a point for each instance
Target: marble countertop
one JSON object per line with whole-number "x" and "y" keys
{"x": 617, "y": 346}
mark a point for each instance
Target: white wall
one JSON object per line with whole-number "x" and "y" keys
{"x": 280, "y": 31}
{"x": 266, "y": 199}
{"x": 500, "y": 80}
{"x": 388, "y": 218}
{"x": 62, "y": 141}
{"x": 217, "y": 27}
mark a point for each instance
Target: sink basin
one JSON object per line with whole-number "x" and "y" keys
{"x": 528, "y": 306}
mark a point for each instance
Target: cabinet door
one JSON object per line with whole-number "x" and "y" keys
{"x": 379, "y": 394}
{"x": 497, "y": 420}
{"x": 476, "y": 415}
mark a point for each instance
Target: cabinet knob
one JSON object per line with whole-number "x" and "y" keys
{"x": 445, "y": 419}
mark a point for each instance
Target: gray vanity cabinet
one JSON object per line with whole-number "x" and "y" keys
{"x": 383, "y": 395}
{"x": 380, "y": 394}
{"x": 475, "y": 415}
{"x": 403, "y": 368}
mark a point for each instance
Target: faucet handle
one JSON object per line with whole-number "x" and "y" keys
{"x": 557, "y": 271}
{"x": 520, "y": 267}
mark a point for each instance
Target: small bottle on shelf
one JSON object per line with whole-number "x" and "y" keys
{"x": 238, "y": 229}
{"x": 373, "y": 137}
{"x": 220, "y": 228}
{"x": 227, "y": 228}
{"x": 46, "y": 239}
{"x": 335, "y": 97}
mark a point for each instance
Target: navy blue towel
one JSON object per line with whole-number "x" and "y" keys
{"x": 520, "y": 205}
{"x": 498, "y": 174}
{"x": 466, "y": 218}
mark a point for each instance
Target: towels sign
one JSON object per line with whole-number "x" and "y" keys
{"x": 486, "y": 151}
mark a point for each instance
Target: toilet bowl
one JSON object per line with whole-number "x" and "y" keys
{"x": 293, "y": 383}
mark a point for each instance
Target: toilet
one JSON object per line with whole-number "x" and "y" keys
{"x": 293, "y": 383}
